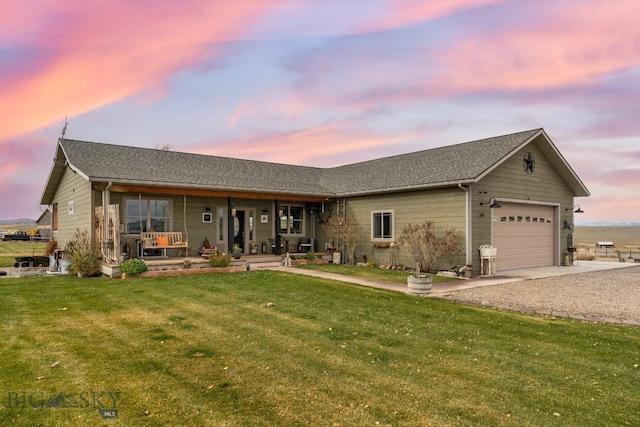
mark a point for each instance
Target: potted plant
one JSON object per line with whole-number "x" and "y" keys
{"x": 237, "y": 251}
{"x": 133, "y": 267}
{"x": 419, "y": 284}
{"x": 253, "y": 248}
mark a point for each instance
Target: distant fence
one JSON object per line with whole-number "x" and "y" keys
{"x": 622, "y": 254}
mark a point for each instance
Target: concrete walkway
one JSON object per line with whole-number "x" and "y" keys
{"x": 443, "y": 289}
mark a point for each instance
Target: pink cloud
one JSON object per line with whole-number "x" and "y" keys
{"x": 19, "y": 200}
{"x": 402, "y": 13}
{"x": 97, "y": 56}
{"x": 569, "y": 44}
{"x": 560, "y": 47}
{"x": 337, "y": 140}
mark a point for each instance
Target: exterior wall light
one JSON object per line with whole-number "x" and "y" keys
{"x": 493, "y": 203}
{"x": 575, "y": 209}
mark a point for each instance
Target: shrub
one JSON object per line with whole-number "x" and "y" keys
{"x": 219, "y": 260}
{"x": 52, "y": 245}
{"x": 372, "y": 263}
{"x": 134, "y": 266}
{"x": 85, "y": 259}
{"x": 427, "y": 245}
{"x": 310, "y": 256}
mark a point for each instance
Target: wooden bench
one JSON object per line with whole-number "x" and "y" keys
{"x": 163, "y": 241}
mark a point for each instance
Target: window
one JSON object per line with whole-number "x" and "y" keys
{"x": 382, "y": 225}
{"x": 292, "y": 220}
{"x": 143, "y": 215}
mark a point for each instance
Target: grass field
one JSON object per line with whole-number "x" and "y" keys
{"x": 264, "y": 348}
{"x": 10, "y": 250}
{"x": 621, "y": 236}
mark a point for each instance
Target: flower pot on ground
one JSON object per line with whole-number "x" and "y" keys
{"x": 236, "y": 251}
{"x": 419, "y": 284}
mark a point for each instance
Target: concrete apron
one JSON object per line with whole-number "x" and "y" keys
{"x": 518, "y": 275}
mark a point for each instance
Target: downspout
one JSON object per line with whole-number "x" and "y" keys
{"x": 50, "y": 209}
{"x": 467, "y": 220}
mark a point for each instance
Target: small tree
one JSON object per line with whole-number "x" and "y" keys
{"x": 427, "y": 245}
{"x": 344, "y": 229}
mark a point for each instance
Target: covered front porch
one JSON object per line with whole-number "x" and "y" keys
{"x": 131, "y": 220}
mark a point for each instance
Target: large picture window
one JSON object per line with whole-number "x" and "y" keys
{"x": 292, "y": 220}
{"x": 382, "y": 225}
{"x": 142, "y": 215}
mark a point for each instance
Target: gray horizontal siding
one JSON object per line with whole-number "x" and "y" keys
{"x": 446, "y": 207}
{"x": 73, "y": 188}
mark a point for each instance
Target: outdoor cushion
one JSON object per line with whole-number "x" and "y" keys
{"x": 162, "y": 241}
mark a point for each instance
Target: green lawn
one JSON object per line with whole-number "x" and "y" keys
{"x": 262, "y": 348}
{"x": 10, "y": 250}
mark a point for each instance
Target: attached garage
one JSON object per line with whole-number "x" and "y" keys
{"x": 524, "y": 235}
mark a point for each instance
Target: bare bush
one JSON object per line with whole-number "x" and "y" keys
{"x": 428, "y": 246}
{"x": 344, "y": 229}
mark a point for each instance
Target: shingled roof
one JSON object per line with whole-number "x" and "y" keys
{"x": 451, "y": 165}
{"x": 116, "y": 163}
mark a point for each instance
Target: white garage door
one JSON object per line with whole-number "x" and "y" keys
{"x": 524, "y": 235}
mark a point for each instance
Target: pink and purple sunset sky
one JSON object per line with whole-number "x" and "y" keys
{"x": 322, "y": 83}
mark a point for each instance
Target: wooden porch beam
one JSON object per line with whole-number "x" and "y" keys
{"x": 201, "y": 192}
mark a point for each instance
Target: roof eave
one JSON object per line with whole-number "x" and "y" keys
{"x": 191, "y": 186}
{"x": 407, "y": 188}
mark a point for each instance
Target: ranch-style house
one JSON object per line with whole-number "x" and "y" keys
{"x": 515, "y": 192}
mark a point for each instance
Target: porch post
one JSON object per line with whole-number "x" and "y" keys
{"x": 276, "y": 221}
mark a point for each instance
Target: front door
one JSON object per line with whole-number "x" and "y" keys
{"x": 238, "y": 229}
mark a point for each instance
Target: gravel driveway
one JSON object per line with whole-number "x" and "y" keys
{"x": 611, "y": 296}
